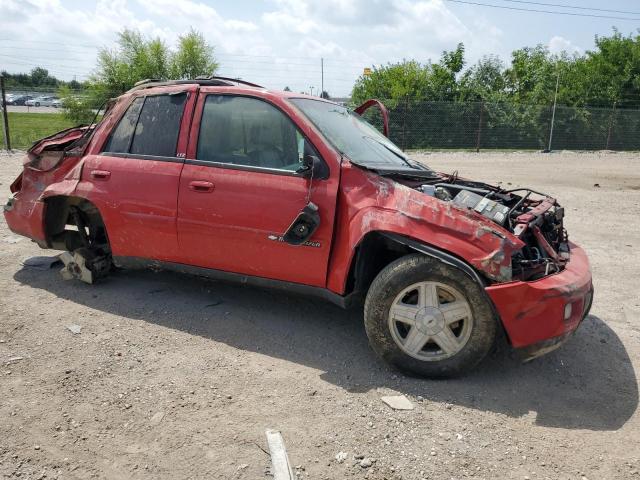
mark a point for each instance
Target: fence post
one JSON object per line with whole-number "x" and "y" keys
{"x": 404, "y": 121}
{"x": 5, "y": 118}
{"x": 479, "y": 131}
{"x": 611, "y": 122}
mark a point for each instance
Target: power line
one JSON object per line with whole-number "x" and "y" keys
{"x": 79, "y": 45}
{"x": 575, "y": 7}
{"x": 573, "y": 14}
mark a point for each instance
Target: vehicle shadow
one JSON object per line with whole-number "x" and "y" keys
{"x": 589, "y": 383}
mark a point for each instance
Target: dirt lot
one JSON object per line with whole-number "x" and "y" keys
{"x": 177, "y": 377}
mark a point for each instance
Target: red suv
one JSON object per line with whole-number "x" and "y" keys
{"x": 227, "y": 179}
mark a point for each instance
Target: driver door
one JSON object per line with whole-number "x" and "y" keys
{"x": 240, "y": 190}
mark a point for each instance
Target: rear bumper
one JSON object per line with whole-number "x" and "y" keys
{"x": 25, "y": 217}
{"x": 536, "y": 315}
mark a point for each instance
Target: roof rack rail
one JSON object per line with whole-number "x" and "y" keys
{"x": 212, "y": 80}
{"x": 146, "y": 80}
{"x": 229, "y": 79}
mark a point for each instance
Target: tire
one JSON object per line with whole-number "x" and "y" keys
{"x": 454, "y": 294}
{"x": 37, "y": 104}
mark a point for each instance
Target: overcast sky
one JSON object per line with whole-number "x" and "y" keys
{"x": 279, "y": 43}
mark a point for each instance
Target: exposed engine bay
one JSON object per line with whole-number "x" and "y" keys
{"x": 533, "y": 217}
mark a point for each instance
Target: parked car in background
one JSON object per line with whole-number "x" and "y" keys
{"x": 18, "y": 99}
{"x": 222, "y": 178}
{"x": 57, "y": 103}
{"x": 44, "y": 101}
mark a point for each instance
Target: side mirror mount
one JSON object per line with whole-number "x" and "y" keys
{"x": 304, "y": 226}
{"x": 313, "y": 167}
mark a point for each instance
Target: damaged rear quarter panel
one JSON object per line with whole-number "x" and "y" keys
{"x": 369, "y": 202}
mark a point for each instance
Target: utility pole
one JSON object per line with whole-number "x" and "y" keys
{"x": 5, "y": 118}
{"x": 553, "y": 115}
{"x": 321, "y": 76}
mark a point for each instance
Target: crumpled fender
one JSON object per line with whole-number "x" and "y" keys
{"x": 373, "y": 203}
{"x": 66, "y": 185}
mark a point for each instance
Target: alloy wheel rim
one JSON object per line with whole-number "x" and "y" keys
{"x": 430, "y": 321}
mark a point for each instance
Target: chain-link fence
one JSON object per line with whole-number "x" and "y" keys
{"x": 479, "y": 125}
{"x": 423, "y": 125}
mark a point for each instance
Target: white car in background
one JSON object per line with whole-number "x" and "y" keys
{"x": 44, "y": 101}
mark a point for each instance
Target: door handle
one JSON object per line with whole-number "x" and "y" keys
{"x": 201, "y": 186}
{"x": 101, "y": 174}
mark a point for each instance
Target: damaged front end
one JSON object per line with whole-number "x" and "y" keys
{"x": 534, "y": 218}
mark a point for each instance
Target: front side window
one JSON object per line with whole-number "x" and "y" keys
{"x": 248, "y": 131}
{"x": 149, "y": 127}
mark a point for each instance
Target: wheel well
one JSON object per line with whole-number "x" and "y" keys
{"x": 374, "y": 252}
{"x": 65, "y": 216}
{"x": 379, "y": 249}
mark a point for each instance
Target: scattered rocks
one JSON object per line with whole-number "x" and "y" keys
{"x": 366, "y": 462}
{"x": 75, "y": 329}
{"x": 398, "y": 402}
{"x": 156, "y": 418}
{"x": 11, "y": 239}
{"x": 341, "y": 457}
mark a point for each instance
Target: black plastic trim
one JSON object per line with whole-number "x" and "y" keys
{"x": 297, "y": 288}
{"x": 143, "y": 157}
{"x": 439, "y": 254}
{"x": 248, "y": 168}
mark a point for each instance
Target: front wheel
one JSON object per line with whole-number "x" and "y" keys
{"x": 428, "y": 318}
{"x": 37, "y": 104}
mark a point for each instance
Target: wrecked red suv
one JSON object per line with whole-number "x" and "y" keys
{"x": 229, "y": 180}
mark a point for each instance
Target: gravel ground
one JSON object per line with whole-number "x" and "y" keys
{"x": 178, "y": 377}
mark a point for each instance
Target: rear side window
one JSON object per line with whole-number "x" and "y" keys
{"x": 150, "y": 126}
{"x": 159, "y": 125}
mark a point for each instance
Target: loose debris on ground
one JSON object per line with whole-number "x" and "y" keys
{"x": 179, "y": 377}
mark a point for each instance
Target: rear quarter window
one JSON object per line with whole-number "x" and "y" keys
{"x": 159, "y": 125}
{"x": 120, "y": 137}
{"x": 150, "y": 126}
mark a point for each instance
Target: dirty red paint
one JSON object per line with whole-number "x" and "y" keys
{"x": 150, "y": 211}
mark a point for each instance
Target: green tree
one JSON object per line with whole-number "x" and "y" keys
{"x": 193, "y": 58}
{"x": 483, "y": 81}
{"x": 74, "y": 107}
{"x": 613, "y": 70}
{"x": 134, "y": 59}
{"x": 137, "y": 58}
{"x": 443, "y": 76}
{"x": 410, "y": 81}
{"x": 393, "y": 83}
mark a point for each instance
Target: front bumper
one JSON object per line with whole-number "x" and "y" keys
{"x": 536, "y": 315}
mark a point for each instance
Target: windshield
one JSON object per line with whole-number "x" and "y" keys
{"x": 355, "y": 137}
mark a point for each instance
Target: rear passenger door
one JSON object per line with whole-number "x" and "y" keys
{"x": 134, "y": 180}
